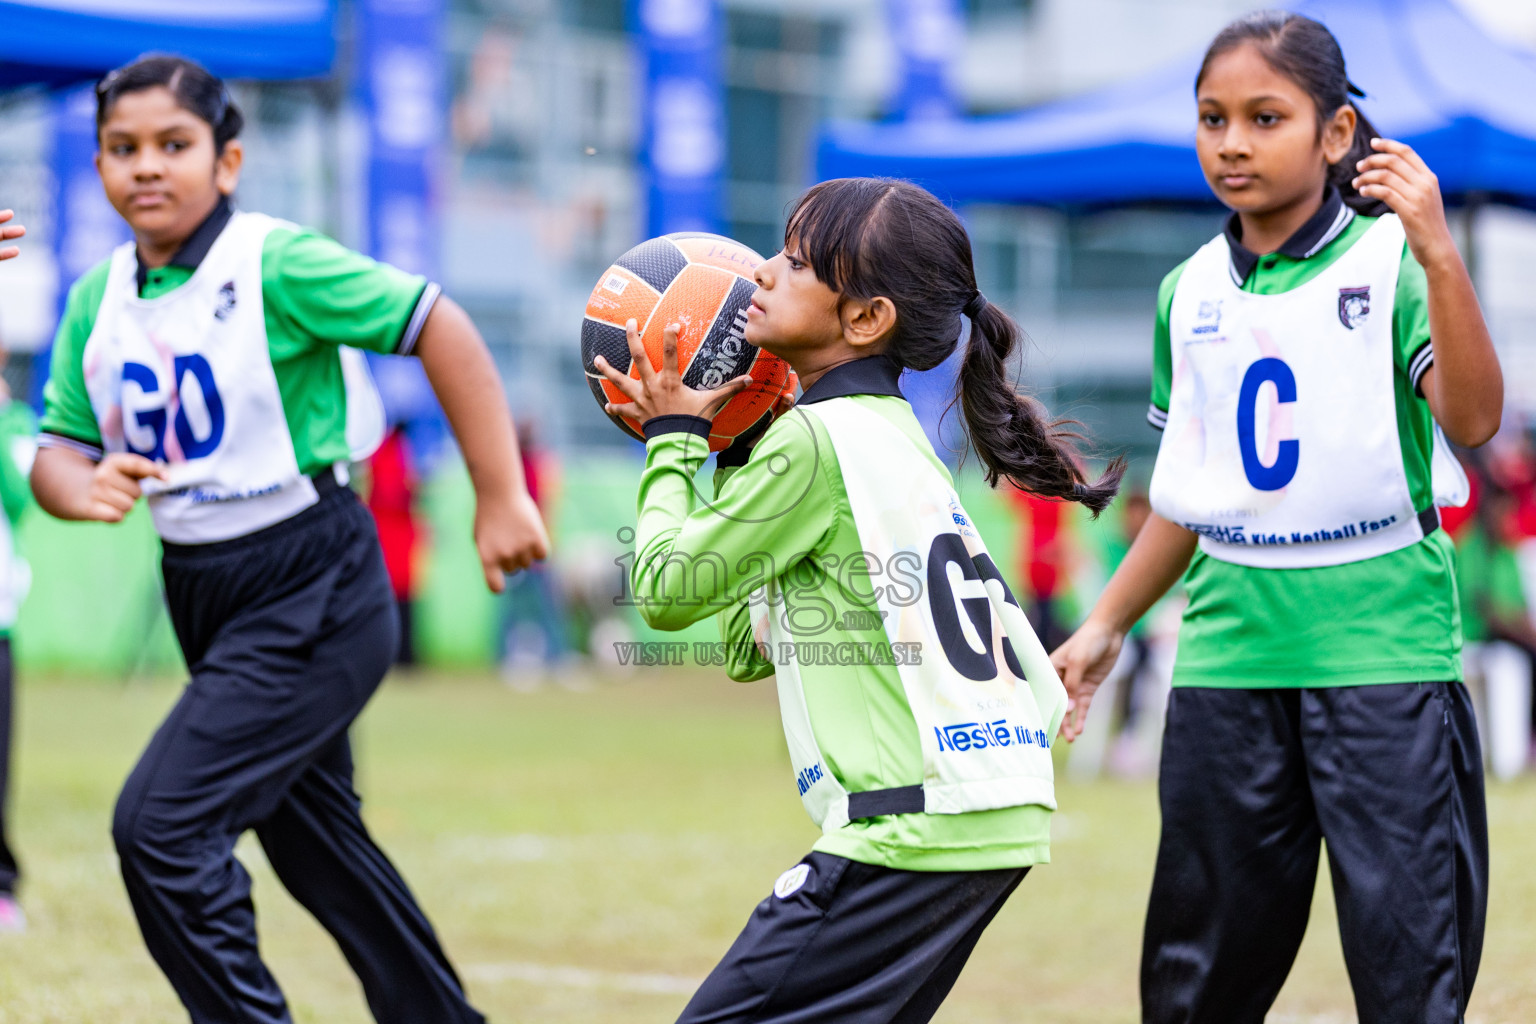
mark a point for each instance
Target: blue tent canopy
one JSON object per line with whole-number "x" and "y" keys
{"x": 1435, "y": 80}
{"x": 58, "y": 42}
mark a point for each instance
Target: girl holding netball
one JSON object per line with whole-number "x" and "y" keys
{"x": 917, "y": 703}
{"x": 1306, "y": 362}
{"x": 199, "y": 368}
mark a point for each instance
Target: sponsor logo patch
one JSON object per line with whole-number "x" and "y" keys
{"x": 1207, "y": 318}
{"x": 616, "y": 284}
{"x": 961, "y": 521}
{"x": 965, "y": 736}
{"x": 808, "y": 777}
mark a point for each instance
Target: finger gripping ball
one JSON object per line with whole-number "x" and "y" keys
{"x": 704, "y": 284}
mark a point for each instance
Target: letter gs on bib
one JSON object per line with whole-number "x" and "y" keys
{"x": 948, "y": 597}
{"x": 144, "y": 415}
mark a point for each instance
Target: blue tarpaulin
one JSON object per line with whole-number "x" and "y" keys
{"x": 1435, "y": 80}
{"x": 58, "y": 42}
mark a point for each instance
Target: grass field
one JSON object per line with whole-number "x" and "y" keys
{"x": 588, "y": 854}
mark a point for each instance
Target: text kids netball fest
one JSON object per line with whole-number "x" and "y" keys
{"x": 1099, "y": 437}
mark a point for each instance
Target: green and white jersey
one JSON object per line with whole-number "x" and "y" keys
{"x": 840, "y": 560}
{"x": 226, "y": 367}
{"x": 18, "y": 445}
{"x": 1346, "y": 594}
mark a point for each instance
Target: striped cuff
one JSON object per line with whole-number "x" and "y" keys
{"x": 676, "y": 423}
{"x": 1419, "y": 365}
{"x": 1157, "y": 417}
{"x": 94, "y": 452}
{"x": 418, "y": 319}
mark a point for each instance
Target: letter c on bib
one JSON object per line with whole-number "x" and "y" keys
{"x": 1266, "y": 478}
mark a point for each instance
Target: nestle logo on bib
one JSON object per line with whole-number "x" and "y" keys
{"x": 1209, "y": 317}
{"x": 1354, "y": 306}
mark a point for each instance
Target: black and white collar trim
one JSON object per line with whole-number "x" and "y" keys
{"x": 192, "y": 252}
{"x": 1311, "y": 238}
{"x": 872, "y": 375}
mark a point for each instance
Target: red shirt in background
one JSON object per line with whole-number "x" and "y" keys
{"x": 390, "y": 500}
{"x": 1041, "y": 554}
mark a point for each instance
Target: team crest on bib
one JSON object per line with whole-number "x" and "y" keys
{"x": 226, "y": 301}
{"x": 1354, "y": 306}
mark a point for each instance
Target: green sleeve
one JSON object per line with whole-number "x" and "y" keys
{"x": 67, "y": 408}
{"x": 319, "y": 292}
{"x": 744, "y": 662}
{"x": 18, "y": 444}
{"x": 1410, "y": 322}
{"x": 1162, "y": 348}
{"x": 695, "y": 559}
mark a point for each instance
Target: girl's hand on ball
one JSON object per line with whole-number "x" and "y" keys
{"x": 786, "y": 401}
{"x": 1397, "y": 176}
{"x": 662, "y": 392}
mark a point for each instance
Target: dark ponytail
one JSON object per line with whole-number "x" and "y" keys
{"x": 870, "y": 237}
{"x": 1012, "y": 433}
{"x": 197, "y": 90}
{"x": 1305, "y": 51}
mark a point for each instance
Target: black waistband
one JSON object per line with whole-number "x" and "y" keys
{"x": 330, "y": 492}
{"x": 1429, "y": 520}
{"x": 872, "y": 803}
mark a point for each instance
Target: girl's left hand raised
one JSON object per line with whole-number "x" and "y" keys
{"x": 1397, "y": 176}
{"x": 662, "y": 392}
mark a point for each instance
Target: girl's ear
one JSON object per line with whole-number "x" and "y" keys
{"x": 1339, "y": 135}
{"x": 226, "y": 169}
{"x": 866, "y": 322}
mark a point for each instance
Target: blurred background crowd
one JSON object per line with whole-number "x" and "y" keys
{"x": 512, "y": 148}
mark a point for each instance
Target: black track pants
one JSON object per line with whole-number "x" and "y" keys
{"x": 10, "y": 874}
{"x": 287, "y": 631}
{"x": 1391, "y": 776}
{"x": 852, "y": 944}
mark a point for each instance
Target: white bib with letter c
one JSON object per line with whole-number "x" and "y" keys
{"x": 1282, "y": 448}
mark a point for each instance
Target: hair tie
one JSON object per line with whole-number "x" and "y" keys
{"x": 974, "y": 307}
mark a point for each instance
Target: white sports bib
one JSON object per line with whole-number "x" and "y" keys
{"x": 984, "y": 695}
{"x": 186, "y": 379}
{"x": 1281, "y": 448}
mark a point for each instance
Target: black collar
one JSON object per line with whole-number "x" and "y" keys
{"x": 1320, "y": 229}
{"x": 195, "y": 248}
{"x": 872, "y": 375}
